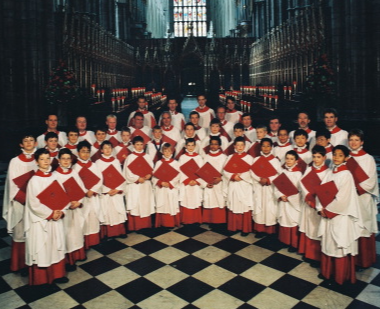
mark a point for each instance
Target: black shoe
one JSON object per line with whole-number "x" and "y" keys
{"x": 82, "y": 260}
{"x": 244, "y": 234}
{"x": 24, "y": 272}
{"x": 122, "y": 236}
{"x": 320, "y": 276}
{"x": 260, "y": 235}
{"x": 61, "y": 280}
{"x": 315, "y": 264}
{"x": 71, "y": 267}
{"x": 292, "y": 249}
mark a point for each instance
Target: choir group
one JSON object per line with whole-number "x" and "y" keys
{"x": 316, "y": 190}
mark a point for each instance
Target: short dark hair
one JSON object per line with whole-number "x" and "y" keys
{"x": 246, "y": 115}
{"x": 230, "y": 98}
{"x": 51, "y": 135}
{"x": 293, "y": 153}
{"x": 356, "y": 132}
{"x": 101, "y": 129}
{"x": 63, "y": 151}
{"x": 344, "y": 149}
{"x": 194, "y": 113}
{"x": 215, "y": 121}
{"x": 323, "y": 132}
{"x": 138, "y": 114}
{"x": 105, "y": 143}
{"x": 137, "y": 139}
{"x": 189, "y": 140}
{"x": 216, "y": 138}
{"x": 266, "y": 139}
{"x": 319, "y": 149}
{"x": 40, "y": 152}
{"x": 239, "y": 139}
{"x": 238, "y": 125}
{"x": 299, "y": 132}
{"x": 72, "y": 129}
{"x": 83, "y": 144}
{"x": 330, "y": 111}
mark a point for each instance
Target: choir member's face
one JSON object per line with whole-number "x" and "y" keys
{"x": 167, "y": 152}
{"x": 157, "y": 134}
{"x": 274, "y": 125}
{"x": 172, "y": 105}
{"x": 43, "y": 162}
{"x": 189, "y": 131}
{"x": 28, "y": 144}
{"x": 322, "y": 141}
{"x": 318, "y": 159}
{"x": 125, "y": 136}
{"x": 239, "y": 147}
{"x": 246, "y": 121}
{"x": 201, "y": 101}
{"x": 261, "y": 133}
{"x": 266, "y": 148}
{"x": 141, "y": 103}
{"x": 303, "y": 120}
{"x": 339, "y": 157}
{"x": 72, "y": 137}
{"x": 139, "y": 122}
{"x": 214, "y": 145}
{"x": 190, "y": 147}
{"x": 221, "y": 113}
{"x": 355, "y": 142}
{"x": 330, "y": 120}
{"x": 100, "y": 136}
{"x": 230, "y": 105}
{"x": 300, "y": 140}
{"x": 52, "y": 143}
{"x": 139, "y": 146}
{"x": 283, "y": 136}
{"x": 238, "y": 132}
{"x": 166, "y": 120}
{"x": 107, "y": 150}
{"x": 84, "y": 154}
{"x": 215, "y": 128}
{"x": 81, "y": 123}
{"x": 65, "y": 160}
{"x": 52, "y": 122}
{"x": 194, "y": 119}
{"x": 290, "y": 160}
{"x": 111, "y": 123}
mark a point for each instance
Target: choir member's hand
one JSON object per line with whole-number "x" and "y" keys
{"x": 322, "y": 213}
{"x": 165, "y": 184}
{"x": 113, "y": 192}
{"x": 284, "y": 198}
{"x": 90, "y": 193}
{"x": 57, "y": 214}
{"x": 210, "y": 185}
{"x": 217, "y": 180}
{"x": 263, "y": 181}
{"x": 238, "y": 178}
{"x": 147, "y": 177}
{"x": 192, "y": 183}
{"x": 74, "y": 204}
{"x": 141, "y": 179}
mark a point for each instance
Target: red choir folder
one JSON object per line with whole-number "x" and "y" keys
{"x": 237, "y": 165}
{"x": 54, "y": 197}
{"x": 167, "y": 139}
{"x": 112, "y": 178}
{"x": 138, "y": 132}
{"x": 208, "y": 173}
{"x": 262, "y": 168}
{"x": 89, "y": 178}
{"x": 284, "y": 185}
{"x": 189, "y": 169}
{"x": 21, "y": 182}
{"x": 255, "y": 149}
{"x": 113, "y": 140}
{"x": 302, "y": 165}
{"x": 123, "y": 154}
{"x": 311, "y": 182}
{"x": 96, "y": 156}
{"x": 140, "y": 167}
{"x": 73, "y": 190}
{"x": 165, "y": 172}
{"x": 326, "y": 193}
{"x": 229, "y": 150}
{"x": 357, "y": 172}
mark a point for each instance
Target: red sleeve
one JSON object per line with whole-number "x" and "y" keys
{"x": 360, "y": 190}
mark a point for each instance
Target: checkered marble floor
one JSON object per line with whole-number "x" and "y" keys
{"x": 189, "y": 268}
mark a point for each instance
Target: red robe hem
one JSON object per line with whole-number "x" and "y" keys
{"x": 91, "y": 240}
{"x": 340, "y": 269}
{"x": 262, "y": 228}
{"x": 167, "y": 220}
{"x": 112, "y": 231}
{"x": 136, "y": 223}
{"x": 190, "y": 216}
{"x": 311, "y": 248}
{"x": 367, "y": 252}
{"x": 43, "y": 275}
{"x": 214, "y": 215}
{"x": 240, "y": 222}
{"x": 18, "y": 256}
{"x": 76, "y": 255}
{"x": 289, "y": 235}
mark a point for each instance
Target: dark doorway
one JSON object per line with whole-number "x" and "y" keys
{"x": 192, "y": 82}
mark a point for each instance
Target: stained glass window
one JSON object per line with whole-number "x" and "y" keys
{"x": 190, "y": 14}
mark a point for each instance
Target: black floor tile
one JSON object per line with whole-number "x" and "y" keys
{"x": 302, "y": 305}
{"x": 292, "y": 286}
{"x": 5, "y": 267}
{"x": 190, "y": 245}
{"x": 351, "y": 290}
{"x": 231, "y": 245}
{"x": 150, "y": 246}
{"x": 236, "y": 263}
{"x": 138, "y": 290}
{"x": 242, "y": 288}
{"x": 109, "y": 247}
{"x": 31, "y": 293}
{"x": 376, "y": 280}
{"x": 3, "y": 244}
{"x": 99, "y": 266}
{"x": 87, "y": 290}
{"x": 190, "y": 231}
{"x": 151, "y": 233}
{"x": 246, "y": 306}
{"x": 190, "y": 264}
{"x": 145, "y": 265}
{"x": 377, "y": 264}
{"x": 190, "y": 306}
{"x": 3, "y": 232}
{"x": 79, "y": 307}
{"x": 357, "y": 304}
{"x": 190, "y": 289}
{"x": 26, "y": 307}
{"x": 4, "y": 287}
{"x": 270, "y": 242}
{"x": 281, "y": 262}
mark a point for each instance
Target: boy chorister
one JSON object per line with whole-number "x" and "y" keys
{"x": 289, "y": 205}
{"x": 191, "y": 187}
{"x": 20, "y": 170}
{"x": 300, "y": 146}
{"x": 44, "y": 230}
{"x": 72, "y": 142}
{"x": 283, "y": 144}
{"x": 189, "y": 132}
{"x": 249, "y": 131}
{"x": 341, "y": 225}
{"x": 239, "y": 192}
{"x": 124, "y": 149}
{"x": 367, "y": 188}
{"x": 51, "y": 140}
{"x": 100, "y": 136}
{"x": 112, "y": 199}
{"x": 238, "y": 131}
{"x": 310, "y": 242}
{"x": 194, "y": 118}
{"x": 73, "y": 220}
{"x": 92, "y": 179}
{"x": 215, "y": 126}
{"x": 153, "y": 147}
{"x": 137, "y": 171}
{"x": 255, "y": 149}
{"x": 265, "y": 206}
{"x": 165, "y": 179}
{"x": 323, "y": 139}
{"x": 214, "y": 203}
